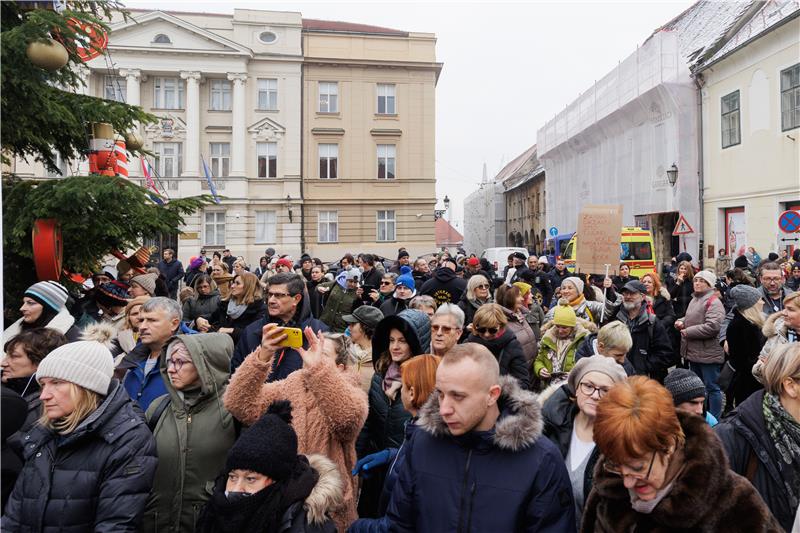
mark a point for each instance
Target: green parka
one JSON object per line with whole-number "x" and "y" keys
{"x": 340, "y": 302}
{"x": 193, "y": 435}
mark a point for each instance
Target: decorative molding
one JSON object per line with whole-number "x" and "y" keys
{"x": 380, "y": 132}
{"x": 237, "y": 76}
{"x": 266, "y": 129}
{"x": 191, "y": 75}
{"x": 161, "y": 132}
{"x": 327, "y": 131}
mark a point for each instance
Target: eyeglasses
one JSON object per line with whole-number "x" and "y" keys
{"x": 277, "y": 295}
{"x": 444, "y": 329}
{"x": 490, "y": 331}
{"x": 616, "y": 469}
{"x": 588, "y": 389}
{"x": 484, "y": 286}
{"x": 386, "y": 283}
{"x": 177, "y": 364}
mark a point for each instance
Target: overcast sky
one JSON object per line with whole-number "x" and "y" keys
{"x": 509, "y": 67}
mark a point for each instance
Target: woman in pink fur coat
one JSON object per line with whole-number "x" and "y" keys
{"x": 328, "y": 405}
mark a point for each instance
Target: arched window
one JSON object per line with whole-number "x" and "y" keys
{"x": 162, "y": 39}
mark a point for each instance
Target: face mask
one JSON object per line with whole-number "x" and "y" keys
{"x": 235, "y": 496}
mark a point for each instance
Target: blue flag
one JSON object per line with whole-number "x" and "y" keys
{"x": 210, "y": 180}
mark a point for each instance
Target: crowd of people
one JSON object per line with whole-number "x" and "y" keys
{"x": 435, "y": 394}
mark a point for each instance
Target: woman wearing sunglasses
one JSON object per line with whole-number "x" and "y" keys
{"x": 490, "y": 328}
{"x": 476, "y": 295}
{"x": 663, "y": 470}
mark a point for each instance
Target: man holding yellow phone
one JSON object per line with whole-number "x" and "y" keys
{"x": 287, "y": 309}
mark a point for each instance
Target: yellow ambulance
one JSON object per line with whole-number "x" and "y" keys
{"x": 636, "y": 250}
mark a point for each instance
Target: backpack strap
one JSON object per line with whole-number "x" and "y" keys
{"x": 152, "y": 420}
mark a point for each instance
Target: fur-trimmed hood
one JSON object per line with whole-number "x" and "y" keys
{"x": 327, "y": 494}
{"x": 61, "y": 322}
{"x": 519, "y": 426}
{"x": 583, "y": 328}
{"x": 775, "y": 325}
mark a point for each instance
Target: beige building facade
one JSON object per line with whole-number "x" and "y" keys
{"x": 751, "y": 134}
{"x": 368, "y": 139}
{"x": 523, "y": 181}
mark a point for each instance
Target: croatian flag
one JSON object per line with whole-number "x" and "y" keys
{"x": 148, "y": 177}
{"x": 210, "y": 180}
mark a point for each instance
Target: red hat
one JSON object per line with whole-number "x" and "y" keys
{"x": 473, "y": 261}
{"x": 285, "y": 261}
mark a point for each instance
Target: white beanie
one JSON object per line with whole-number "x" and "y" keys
{"x": 578, "y": 282}
{"x": 87, "y": 364}
{"x": 708, "y": 277}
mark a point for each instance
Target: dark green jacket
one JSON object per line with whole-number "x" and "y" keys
{"x": 340, "y": 302}
{"x": 193, "y": 436}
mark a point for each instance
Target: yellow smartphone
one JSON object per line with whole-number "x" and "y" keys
{"x": 294, "y": 338}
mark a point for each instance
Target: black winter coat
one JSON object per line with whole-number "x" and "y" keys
{"x": 559, "y": 412}
{"x": 509, "y": 354}
{"x": 385, "y": 423}
{"x": 651, "y": 353}
{"x": 444, "y": 287}
{"x": 202, "y": 305}
{"x": 220, "y": 319}
{"x": 681, "y": 295}
{"x": 392, "y": 306}
{"x": 173, "y": 274}
{"x": 13, "y": 409}
{"x": 745, "y": 437}
{"x": 745, "y": 341}
{"x": 97, "y": 478}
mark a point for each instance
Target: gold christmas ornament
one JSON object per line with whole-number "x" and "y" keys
{"x": 49, "y": 56}
{"x": 133, "y": 141}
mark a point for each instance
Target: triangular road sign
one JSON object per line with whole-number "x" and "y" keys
{"x": 682, "y": 227}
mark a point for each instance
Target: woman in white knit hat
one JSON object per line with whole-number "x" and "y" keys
{"x": 44, "y": 306}
{"x": 591, "y": 312}
{"x": 90, "y": 463}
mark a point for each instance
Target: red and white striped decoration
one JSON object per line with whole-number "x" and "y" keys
{"x": 121, "y": 153}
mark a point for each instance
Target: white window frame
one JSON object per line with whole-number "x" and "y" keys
{"x": 731, "y": 120}
{"x": 267, "y": 151}
{"x": 62, "y": 164}
{"x": 268, "y": 92}
{"x": 793, "y": 94}
{"x": 387, "y": 154}
{"x": 387, "y": 95}
{"x": 386, "y": 225}
{"x": 213, "y": 228}
{"x": 328, "y": 152}
{"x": 220, "y": 159}
{"x": 162, "y": 157}
{"x": 162, "y": 87}
{"x": 115, "y": 88}
{"x": 328, "y": 96}
{"x": 219, "y": 98}
{"x": 266, "y": 227}
{"x": 327, "y": 226}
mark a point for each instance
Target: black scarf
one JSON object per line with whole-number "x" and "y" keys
{"x": 23, "y": 386}
{"x": 263, "y": 511}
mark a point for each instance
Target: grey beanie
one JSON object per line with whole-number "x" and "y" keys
{"x": 595, "y": 363}
{"x": 87, "y": 364}
{"x": 745, "y": 296}
{"x": 49, "y": 293}
{"x": 684, "y": 385}
{"x": 147, "y": 282}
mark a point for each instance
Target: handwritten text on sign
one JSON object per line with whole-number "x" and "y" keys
{"x": 598, "y": 232}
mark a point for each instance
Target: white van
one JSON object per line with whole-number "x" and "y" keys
{"x": 498, "y": 257}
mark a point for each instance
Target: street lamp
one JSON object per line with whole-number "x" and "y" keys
{"x": 289, "y": 206}
{"x": 672, "y": 174}
{"x": 446, "y": 203}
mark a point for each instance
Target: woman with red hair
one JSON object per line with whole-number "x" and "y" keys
{"x": 661, "y": 302}
{"x": 664, "y": 470}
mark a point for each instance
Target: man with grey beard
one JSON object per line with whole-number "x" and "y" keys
{"x": 651, "y": 353}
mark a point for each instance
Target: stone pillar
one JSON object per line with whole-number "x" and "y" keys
{"x": 191, "y": 161}
{"x": 133, "y": 78}
{"x": 238, "y": 142}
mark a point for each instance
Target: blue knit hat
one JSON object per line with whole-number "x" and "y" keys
{"x": 405, "y": 278}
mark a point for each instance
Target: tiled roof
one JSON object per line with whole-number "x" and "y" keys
{"x": 348, "y": 27}
{"x": 447, "y": 235}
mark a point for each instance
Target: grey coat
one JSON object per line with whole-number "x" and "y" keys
{"x": 702, "y": 322}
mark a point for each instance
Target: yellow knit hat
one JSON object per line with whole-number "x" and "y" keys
{"x": 524, "y": 288}
{"x": 564, "y": 316}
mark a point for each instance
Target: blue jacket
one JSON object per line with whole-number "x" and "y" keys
{"x": 503, "y": 480}
{"x": 142, "y": 389}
